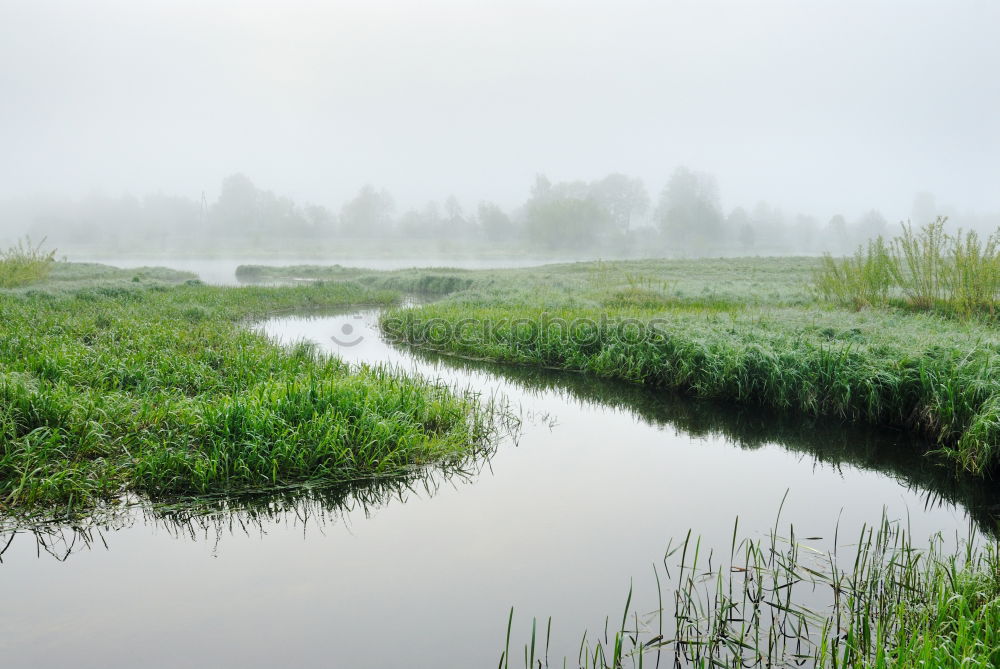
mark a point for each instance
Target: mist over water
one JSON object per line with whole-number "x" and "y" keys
{"x": 447, "y": 129}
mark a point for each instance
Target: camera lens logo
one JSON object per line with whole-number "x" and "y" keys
{"x": 347, "y": 338}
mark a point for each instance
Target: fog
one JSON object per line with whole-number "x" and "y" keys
{"x": 573, "y": 128}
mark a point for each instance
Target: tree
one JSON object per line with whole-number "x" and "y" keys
{"x": 369, "y": 214}
{"x": 567, "y": 223}
{"x": 280, "y": 216}
{"x": 495, "y": 224}
{"x": 423, "y": 224}
{"x": 836, "y": 234}
{"x": 688, "y": 212}
{"x": 736, "y": 222}
{"x": 622, "y": 197}
{"x": 541, "y": 187}
{"x": 564, "y": 215}
{"x": 455, "y": 223}
{"x": 769, "y": 225}
{"x": 871, "y": 225}
{"x": 320, "y": 219}
{"x": 238, "y": 205}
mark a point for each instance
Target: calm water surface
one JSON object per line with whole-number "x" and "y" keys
{"x": 558, "y": 522}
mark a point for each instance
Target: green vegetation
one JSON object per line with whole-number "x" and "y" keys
{"x": 431, "y": 282}
{"x": 749, "y": 331}
{"x": 25, "y": 263}
{"x": 154, "y": 385}
{"x": 880, "y": 602}
{"x": 925, "y": 269}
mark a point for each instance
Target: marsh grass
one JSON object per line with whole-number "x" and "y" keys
{"x": 774, "y": 602}
{"x": 431, "y": 282}
{"x": 25, "y": 263}
{"x": 865, "y": 279}
{"x": 163, "y": 390}
{"x": 746, "y": 331}
{"x": 924, "y": 269}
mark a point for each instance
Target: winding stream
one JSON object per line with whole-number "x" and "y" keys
{"x": 424, "y": 572}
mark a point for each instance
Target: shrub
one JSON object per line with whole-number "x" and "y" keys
{"x": 926, "y": 269}
{"x": 25, "y": 263}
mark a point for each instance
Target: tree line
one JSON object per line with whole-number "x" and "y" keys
{"x": 614, "y": 215}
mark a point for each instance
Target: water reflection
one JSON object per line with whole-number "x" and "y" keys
{"x": 212, "y": 518}
{"x": 888, "y": 452}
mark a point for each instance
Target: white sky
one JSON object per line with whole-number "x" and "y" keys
{"x": 815, "y": 106}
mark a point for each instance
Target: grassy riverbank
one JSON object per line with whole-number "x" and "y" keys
{"x": 145, "y": 381}
{"x": 748, "y": 331}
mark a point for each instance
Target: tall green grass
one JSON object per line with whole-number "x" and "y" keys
{"x": 881, "y": 601}
{"x": 923, "y": 269}
{"x": 163, "y": 390}
{"x": 25, "y": 263}
{"x": 910, "y": 373}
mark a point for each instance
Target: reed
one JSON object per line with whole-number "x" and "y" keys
{"x": 925, "y": 269}
{"x": 863, "y": 280}
{"x": 25, "y": 263}
{"x": 879, "y": 601}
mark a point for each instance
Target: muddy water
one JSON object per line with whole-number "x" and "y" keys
{"x": 423, "y": 573}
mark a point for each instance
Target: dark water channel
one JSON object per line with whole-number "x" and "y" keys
{"x": 423, "y": 572}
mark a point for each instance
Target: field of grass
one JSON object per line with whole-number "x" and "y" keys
{"x": 147, "y": 382}
{"x": 747, "y": 331}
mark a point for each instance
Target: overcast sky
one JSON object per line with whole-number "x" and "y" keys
{"x": 816, "y": 106}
